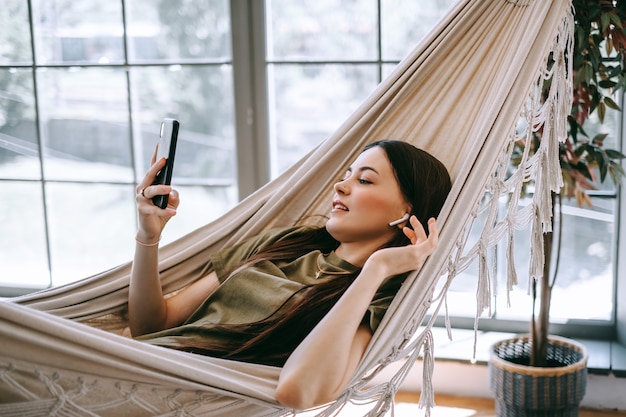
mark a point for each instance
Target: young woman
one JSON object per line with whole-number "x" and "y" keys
{"x": 303, "y": 298}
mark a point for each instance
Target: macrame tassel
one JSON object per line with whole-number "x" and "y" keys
{"x": 511, "y": 276}
{"x": 447, "y": 322}
{"x": 384, "y": 405}
{"x": 552, "y": 134}
{"x": 565, "y": 68}
{"x": 536, "y": 250}
{"x": 427, "y": 396}
{"x": 543, "y": 198}
{"x": 555, "y": 130}
{"x": 483, "y": 293}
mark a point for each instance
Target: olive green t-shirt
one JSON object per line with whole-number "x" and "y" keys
{"x": 257, "y": 292}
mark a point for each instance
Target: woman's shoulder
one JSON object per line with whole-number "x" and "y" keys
{"x": 230, "y": 257}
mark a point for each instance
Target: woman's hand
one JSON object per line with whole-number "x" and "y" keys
{"x": 152, "y": 219}
{"x": 398, "y": 260}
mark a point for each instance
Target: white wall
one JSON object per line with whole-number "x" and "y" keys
{"x": 467, "y": 380}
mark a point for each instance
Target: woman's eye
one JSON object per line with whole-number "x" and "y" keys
{"x": 364, "y": 181}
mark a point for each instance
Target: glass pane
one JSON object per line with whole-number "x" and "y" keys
{"x": 322, "y": 30}
{"x": 92, "y": 228}
{"x": 88, "y": 31}
{"x": 387, "y": 70}
{"x": 587, "y": 264}
{"x": 201, "y": 98}
{"x": 84, "y": 119}
{"x": 586, "y": 267}
{"x": 198, "y": 206}
{"x": 19, "y": 148}
{"x": 15, "y": 45}
{"x": 23, "y": 257}
{"x": 304, "y": 112}
{"x": 406, "y": 22}
{"x": 169, "y": 30}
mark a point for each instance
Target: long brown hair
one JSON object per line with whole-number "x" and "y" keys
{"x": 425, "y": 184}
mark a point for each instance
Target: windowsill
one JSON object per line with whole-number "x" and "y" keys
{"x": 605, "y": 357}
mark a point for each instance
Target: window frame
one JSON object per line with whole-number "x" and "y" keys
{"x": 253, "y": 143}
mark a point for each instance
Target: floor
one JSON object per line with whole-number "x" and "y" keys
{"x": 406, "y": 405}
{"x": 465, "y": 407}
{"x": 448, "y": 406}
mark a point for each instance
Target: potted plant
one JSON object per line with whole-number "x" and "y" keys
{"x": 538, "y": 374}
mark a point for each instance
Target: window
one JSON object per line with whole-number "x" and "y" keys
{"x": 84, "y": 86}
{"x": 330, "y": 46}
{"x": 79, "y": 116}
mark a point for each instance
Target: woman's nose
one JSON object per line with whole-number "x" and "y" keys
{"x": 341, "y": 187}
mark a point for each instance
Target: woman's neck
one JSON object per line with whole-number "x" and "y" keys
{"x": 356, "y": 253}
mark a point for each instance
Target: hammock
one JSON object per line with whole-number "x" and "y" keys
{"x": 460, "y": 95}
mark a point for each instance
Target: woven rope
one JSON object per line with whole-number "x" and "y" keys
{"x": 570, "y": 354}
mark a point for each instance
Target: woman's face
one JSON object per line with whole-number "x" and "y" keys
{"x": 366, "y": 200}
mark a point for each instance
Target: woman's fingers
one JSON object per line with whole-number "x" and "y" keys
{"x": 411, "y": 257}
{"x": 152, "y": 191}
{"x": 152, "y": 219}
{"x": 425, "y": 244}
{"x": 433, "y": 232}
{"x": 145, "y": 187}
{"x": 417, "y": 233}
{"x": 146, "y": 191}
{"x": 174, "y": 200}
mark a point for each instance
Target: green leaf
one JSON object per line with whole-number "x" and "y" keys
{"x": 605, "y": 19}
{"x": 615, "y": 20}
{"x": 603, "y": 167}
{"x": 617, "y": 173}
{"x": 594, "y": 152}
{"x": 580, "y": 150}
{"x": 616, "y": 71}
{"x": 608, "y": 83}
{"x": 581, "y": 37}
{"x": 584, "y": 74}
{"x": 601, "y": 111}
{"x": 599, "y": 137}
{"x": 583, "y": 169}
{"x": 595, "y": 56}
{"x": 611, "y": 104}
{"x": 614, "y": 154}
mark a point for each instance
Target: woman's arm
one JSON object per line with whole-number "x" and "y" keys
{"x": 322, "y": 365}
{"x": 148, "y": 311}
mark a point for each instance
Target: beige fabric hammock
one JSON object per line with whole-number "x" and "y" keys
{"x": 460, "y": 95}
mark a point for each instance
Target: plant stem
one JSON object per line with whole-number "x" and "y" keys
{"x": 540, "y": 324}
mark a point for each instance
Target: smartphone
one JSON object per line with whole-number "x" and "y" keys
{"x": 166, "y": 148}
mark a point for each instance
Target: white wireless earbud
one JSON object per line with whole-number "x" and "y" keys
{"x": 401, "y": 220}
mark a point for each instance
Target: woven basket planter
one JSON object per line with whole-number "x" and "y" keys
{"x": 526, "y": 391}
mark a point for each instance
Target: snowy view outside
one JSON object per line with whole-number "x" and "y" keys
{"x": 77, "y": 132}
